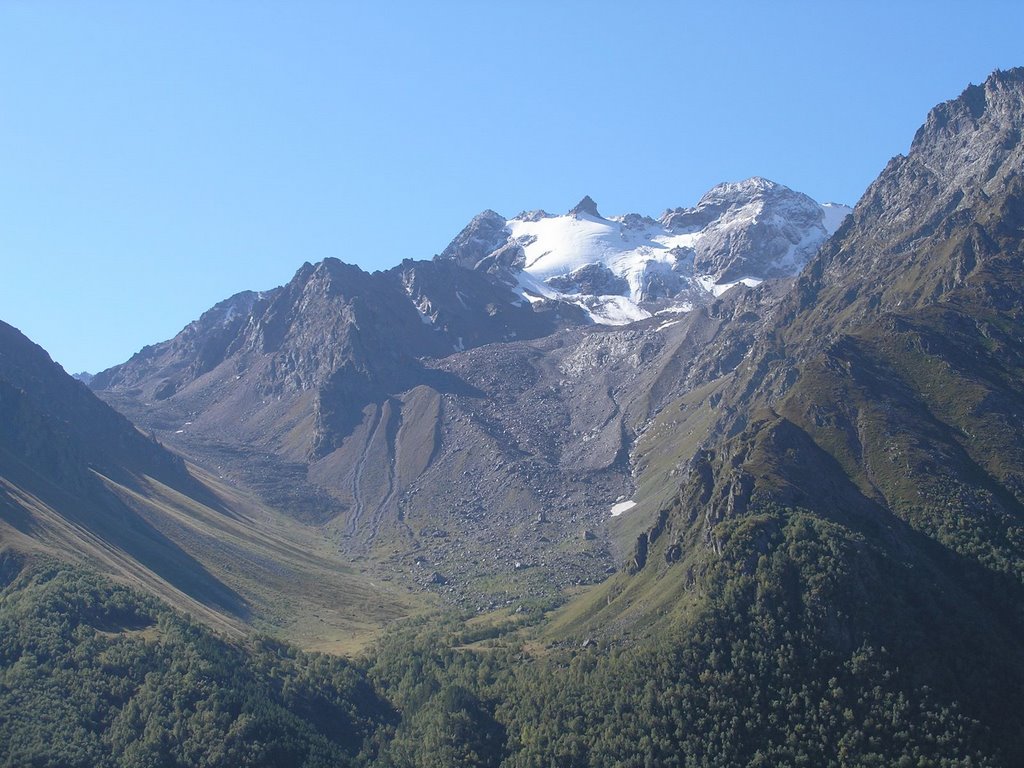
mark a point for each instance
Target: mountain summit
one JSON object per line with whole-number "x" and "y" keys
{"x": 625, "y": 268}
{"x": 587, "y": 206}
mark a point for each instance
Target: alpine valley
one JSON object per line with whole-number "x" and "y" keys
{"x": 740, "y": 485}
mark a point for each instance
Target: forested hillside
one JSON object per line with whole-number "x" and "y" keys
{"x": 98, "y": 675}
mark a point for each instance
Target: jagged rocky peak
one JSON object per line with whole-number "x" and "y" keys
{"x": 744, "y": 190}
{"x": 968, "y": 139}
{"x": 638, "y": 221}
{"x": 945, "y": 207}
{"x": 749, "y": 197}
{"x": 587, "y": 206}
{"x": 755, "y": 228}
{"x": 339, "y": 276}
{"x": 485, "y": 233}
{"x": 533, "y": 216}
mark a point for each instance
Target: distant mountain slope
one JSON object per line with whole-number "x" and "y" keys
{"x": 79, "y": 481}
{"x": 298, "y": 364}
{"x": 519, "y": 449}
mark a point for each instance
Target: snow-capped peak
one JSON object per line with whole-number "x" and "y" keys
{"x": 623, "y": 268}
{"x": 835, "y": 215}
{"x": 741, "y": 190}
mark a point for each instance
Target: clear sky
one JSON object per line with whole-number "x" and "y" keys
{"x": 157, "y": 157}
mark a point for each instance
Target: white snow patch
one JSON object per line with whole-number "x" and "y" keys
{"x": 533, "y": 290}
{"x": 636, "y": 249}
{"x": 560, "y": 245}
{"x": 423, "y": 308}
{"x": 679, "y": 309}
{"x": 610, "y": 310}
{"x": 622, "y": 506}
{"x": 707, "y": 282}
{"x": 835, "y": 214}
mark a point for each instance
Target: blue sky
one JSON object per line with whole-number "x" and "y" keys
{"x": 158, "y": 157}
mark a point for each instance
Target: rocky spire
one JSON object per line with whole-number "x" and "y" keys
{"x": 586, "y": 205}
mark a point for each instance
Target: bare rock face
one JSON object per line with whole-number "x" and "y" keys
{"x": 752, "y": 228}
{"x": 200, "y": 347}
{"x": 596, "y": 279}
{"x": 585, "y": 206}
{"x": 483, "y": 235}
{"x": 335, "y": 337}
{"x": 936, "y": 223}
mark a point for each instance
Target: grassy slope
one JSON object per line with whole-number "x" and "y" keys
{"x": 248, "y": 566}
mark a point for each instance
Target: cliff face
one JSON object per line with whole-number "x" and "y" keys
{"x": 895, "y": 364}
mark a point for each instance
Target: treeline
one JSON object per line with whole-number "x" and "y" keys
{"x": 814, "y": 648}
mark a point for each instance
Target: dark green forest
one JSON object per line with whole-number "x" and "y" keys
{"x": 801, "y": 653}
{"x": 95, "y": 674}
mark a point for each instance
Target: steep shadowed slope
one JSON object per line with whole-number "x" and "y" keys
{"x": 63, "y": 449}
{"x": 859, "y": 474}
{"x": 79, "y": 481}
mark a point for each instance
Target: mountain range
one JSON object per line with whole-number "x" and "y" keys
{"x": 387, "y": 405}
{"x": 745, "y": 479}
